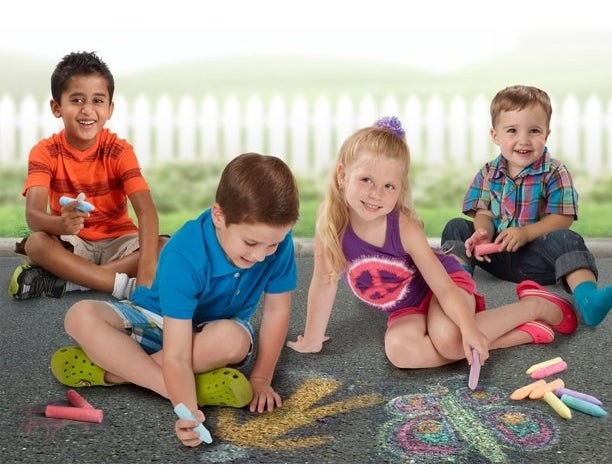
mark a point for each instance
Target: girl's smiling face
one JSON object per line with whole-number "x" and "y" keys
{"x": 372, "y": 185}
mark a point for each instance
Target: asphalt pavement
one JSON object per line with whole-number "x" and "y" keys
{"x": 347, "y": 404}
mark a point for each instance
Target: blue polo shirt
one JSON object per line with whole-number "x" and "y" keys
{"x": 194, "y": 279}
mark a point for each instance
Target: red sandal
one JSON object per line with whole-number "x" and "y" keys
{"x": 570, "y": 321}
{"x": 539, "y": 332}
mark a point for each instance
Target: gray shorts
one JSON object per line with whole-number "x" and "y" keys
{"x": 103, "y": 251}
{"x": 146, "y": 328}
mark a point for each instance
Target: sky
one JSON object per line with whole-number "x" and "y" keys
{"x": 436, "y": 35}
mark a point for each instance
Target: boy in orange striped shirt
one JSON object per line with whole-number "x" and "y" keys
{"x": 71, "y": 249}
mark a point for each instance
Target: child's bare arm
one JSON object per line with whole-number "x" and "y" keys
{"x": 70, "y": 222}
{"x": 148, "y": 235}
{"x": 321, "y": 297}
{"x": 272, "y": 336}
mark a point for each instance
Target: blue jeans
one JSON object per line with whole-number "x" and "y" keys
{"x": 546, "y": 260}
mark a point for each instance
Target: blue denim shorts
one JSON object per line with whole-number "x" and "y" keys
{"x": 146, "y": 328}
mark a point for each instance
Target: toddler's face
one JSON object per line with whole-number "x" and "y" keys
{"x": 521, "y": 136}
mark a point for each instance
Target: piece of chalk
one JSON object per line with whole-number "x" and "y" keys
{"x": 524, "y": 392}
{"x": 77, "y": 400}
{"x": 474, "y": 370}
{"x": 573, "y": 393}
{"x": 487, "y": 249}
{"x": 539, "y": 391}
{"x": 539, "y": 365}
{"x": 82, "y": 205}
{"x": 549, "y": 370}
{"x": 183, "y": 412}
{"x": 557, "y": 405}
{"x": 584, "y": 406}
{"x": 91, "y": 415}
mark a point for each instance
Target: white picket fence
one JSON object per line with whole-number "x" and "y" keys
{"x": 307, "y": 133}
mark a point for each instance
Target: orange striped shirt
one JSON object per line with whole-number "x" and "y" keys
{"x": 107, "y": 173}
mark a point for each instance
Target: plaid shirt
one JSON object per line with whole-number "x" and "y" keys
{"x": 544, "y": 187}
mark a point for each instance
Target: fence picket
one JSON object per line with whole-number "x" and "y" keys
{"x": 308, "y": 132}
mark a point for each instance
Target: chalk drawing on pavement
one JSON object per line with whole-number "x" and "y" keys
{"x": 272, "y": 431}
{"x": 464, "y": 426}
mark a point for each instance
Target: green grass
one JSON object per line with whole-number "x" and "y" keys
{"x": 182, "y": 191}
{"x": 594, "y": 220}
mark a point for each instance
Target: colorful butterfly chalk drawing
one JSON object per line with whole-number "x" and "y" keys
{"x": 462, "y": 427}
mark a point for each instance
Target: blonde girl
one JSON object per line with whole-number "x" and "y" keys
{"x": 369, "y": 233}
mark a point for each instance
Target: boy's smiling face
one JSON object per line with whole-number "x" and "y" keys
{"x": 247, "y": 244}
{"x": 521, "y": 136}
{"x": 84, "y": 107}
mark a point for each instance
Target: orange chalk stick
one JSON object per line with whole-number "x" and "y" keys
{"x": 77, "y": 400}
{"x": 91, "y": 415}
{"x": 539, "y": 391}
{"x": 549, "y": 370}
{"x": 524, "y": 392}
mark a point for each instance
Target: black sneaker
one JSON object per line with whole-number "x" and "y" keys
{"x": 33, "y": 281}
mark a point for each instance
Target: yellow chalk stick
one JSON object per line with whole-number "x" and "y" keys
{"x": 539, "y": 365}
{"x": 557, "y": 405}
{"x": 524, "y": 392}
{"x": 539, "y": 391}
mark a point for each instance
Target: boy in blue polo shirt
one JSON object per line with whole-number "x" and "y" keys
{"x": 211, "y": 276}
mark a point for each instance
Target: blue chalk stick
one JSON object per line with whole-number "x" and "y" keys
{"x": 183, "y": 412}
{"x": 82, "y": 205}
{"x": 584, "y": 406}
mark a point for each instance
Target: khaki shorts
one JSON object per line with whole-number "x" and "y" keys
{"x": 102, "y": 251}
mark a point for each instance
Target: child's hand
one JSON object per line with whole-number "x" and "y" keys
{"x": 474, "y": 338}
{"x": 73, "y": 220}
{"x": 512, "y": 238}
{"x": 265, "y": 397}
{"x": 304, "y": 346}
{"x": 185, "y": 432}
{"x": 479, "y": 237}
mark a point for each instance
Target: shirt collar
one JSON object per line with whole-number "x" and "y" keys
{"x": 541, "y": 165}
{"x": 220, "y": 265}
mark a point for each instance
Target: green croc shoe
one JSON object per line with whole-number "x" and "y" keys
{"x": 72, "y": 367}
{"x": 223, "y": 387}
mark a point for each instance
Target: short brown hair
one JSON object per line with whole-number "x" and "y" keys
{"x": 519, "y": 97}
{"x": 258, "y": 188}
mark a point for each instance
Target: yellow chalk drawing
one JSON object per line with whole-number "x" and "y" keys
{"x": 269, "y": 431}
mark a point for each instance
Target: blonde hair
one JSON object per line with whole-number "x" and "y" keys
{"x": 333, "y": 216}
{"x": 519, "y": 97}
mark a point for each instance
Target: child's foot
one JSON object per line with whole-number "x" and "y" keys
{"x": 30, "y": 281}
{"x": 539, "y": 332}
{"x": 593, "y": 303}
{"x": 569, "y": 321}
{"x": 223, "y": 387}
{"x": 72, "y": 367}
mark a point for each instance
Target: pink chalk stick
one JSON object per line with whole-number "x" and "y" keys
{"x": 91, "y": 415}
{"x": 549, "y": 370}
{"x": 77, "y": 400}
{"x": 474, "y": 370}
{"x": 487, "y": 249}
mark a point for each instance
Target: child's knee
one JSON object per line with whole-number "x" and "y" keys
{"x": 78, "y": 317}
{"x": 403, "y": 353}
